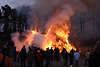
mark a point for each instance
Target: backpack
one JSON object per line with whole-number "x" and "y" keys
{"x": 2, "y": 63}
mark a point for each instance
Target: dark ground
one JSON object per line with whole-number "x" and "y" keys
{"x": 53, "y": 63}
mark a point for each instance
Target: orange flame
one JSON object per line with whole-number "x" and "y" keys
{"x": 56, "y": 36}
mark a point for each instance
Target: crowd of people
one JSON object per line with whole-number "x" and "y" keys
{"x": 44, "y": 58}
{"x": 92, "y": 57}
{"x": 37, "y": 57}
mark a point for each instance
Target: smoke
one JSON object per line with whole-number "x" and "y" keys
{"x": 42, "y": 10}
{"x": 17, "y": 42}
{"x": 27, "y": 39}
{"x": 43, "y": 14}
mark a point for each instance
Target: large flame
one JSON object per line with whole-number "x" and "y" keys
{"x": 57, "y": 36}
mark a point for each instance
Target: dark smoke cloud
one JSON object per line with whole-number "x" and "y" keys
{"x": 92, "y": 4}
{"x": 42, "y": 10}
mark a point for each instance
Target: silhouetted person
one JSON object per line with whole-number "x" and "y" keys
{"x": 51, "y": 54}
{"x": 4, "y": 60}
{"x": 39, "y": 58}
{"x": 65, "y": 56}
{"x": 14, "y": 53}
{"x": 76, "y": 58}
{"x": 23, "y": 56}
{"x": 87, "y": 55}
{"x": 71, "y": 57}
{"x": 34, "y": 49}
{"x": 47, "y": 57}
{"x": 5, "y": 50}
{"x": 43, "y": 56}
{"x": 95, "y": 57}
{"x": 30, "y": 57}
{"x": 56, "y": 54}
{"x": 91, "y": 59}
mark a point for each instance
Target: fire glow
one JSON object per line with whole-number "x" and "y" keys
{"x": 56, "y": 33}
{"x": 56, "y": 36}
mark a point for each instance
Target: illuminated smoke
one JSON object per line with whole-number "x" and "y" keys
{"x": 57, "y": 12}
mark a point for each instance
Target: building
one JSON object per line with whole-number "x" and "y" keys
{"x": 85, "y": 26}
{"x": 10, "y": 22}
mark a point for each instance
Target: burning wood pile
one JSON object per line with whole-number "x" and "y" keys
{"x": 56, "y": 36}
